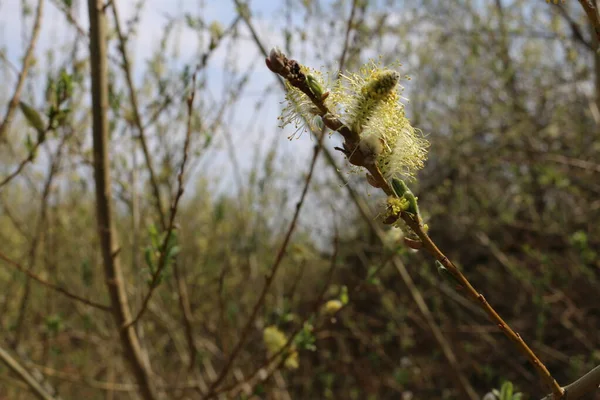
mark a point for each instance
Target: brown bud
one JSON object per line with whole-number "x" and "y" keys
{"x": 276, "y": 60}
{"x": 413, "y": 244}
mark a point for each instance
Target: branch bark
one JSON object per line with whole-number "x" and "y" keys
{"x": 106, "y": 230}
{"x": 587, "y": 384}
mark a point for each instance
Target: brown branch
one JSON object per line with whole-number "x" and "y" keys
{"x": 591, "y": 9}
{"x": 52, "y": 286}
{"x": 134, "y": 353}
{"x": 479, "y": 299}
{"x": 269, "y": 279}
{"x": 163, "y": 261}
{"x": 289, "y": 69}
{"x": 587, "y": 384}
{"x": 347, "y": 37}
{"x": 19, "y": 370}
{"x": 21, "y": 165}
{"x": 575, "y": 29}
{"x": 464, "y": 384}
{"x": 14, "y": 101}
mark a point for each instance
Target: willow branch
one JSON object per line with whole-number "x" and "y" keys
{"x": 134, "y": 353}
{"x": 479, "y": 299}
{"x": 587, "y": 384}
{"x": 290, "y": 70}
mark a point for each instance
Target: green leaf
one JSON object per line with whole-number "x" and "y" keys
{"x": 413, "y": 207}
{"x": 399, "y": 187}
{"x": 506, "y": 391}
{"x": 34, "y": 119}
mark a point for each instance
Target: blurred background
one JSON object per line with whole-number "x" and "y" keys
{"x": 507, "y": 93}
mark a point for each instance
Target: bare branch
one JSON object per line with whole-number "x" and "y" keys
{"x": 52, "y": 286}
{"x": 587, "y": 384}
{"x": 106, "y": 229}
{"x": 163, "y": 261}
{"x": 18, "y": 369}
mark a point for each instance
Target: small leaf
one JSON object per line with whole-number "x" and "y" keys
{"x": 399, "y": 187}
{"x": 34, "y": 118}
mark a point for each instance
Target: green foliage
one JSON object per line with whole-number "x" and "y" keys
{"x": 506, "y": 392}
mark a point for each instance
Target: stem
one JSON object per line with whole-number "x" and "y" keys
{"x": 478, "y": 298}
{"x": 50, "y": 285}
{"x": 134, "y": 353}
{"x": 588, "y": 383}
{"x": 38, "y": 390}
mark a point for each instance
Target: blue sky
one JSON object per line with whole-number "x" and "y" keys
{"x": 56, "y": 32}
{"x": 249, "y": 131}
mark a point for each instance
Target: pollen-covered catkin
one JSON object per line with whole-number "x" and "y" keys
{"x": 380, "y": 86}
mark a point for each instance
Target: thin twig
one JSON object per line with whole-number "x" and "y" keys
{"x": 587, "y": 384}
{"x": 163, "y": 262}
{"x": 52, "y": 286}
{"x": 479, "y": 299}
{"x": 14, "y": 101}
{"x": 18, "y": 369}
{"x": 269, "y": 279}
{"x": 21, "y": 165}
{"x": 136, "y": 115}
{"x": 40, "y": 232}
{"x": 347, "y": 38}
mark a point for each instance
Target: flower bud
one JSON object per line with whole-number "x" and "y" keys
{"x": 399, "y": 187}
{"x": 276, "y": 60}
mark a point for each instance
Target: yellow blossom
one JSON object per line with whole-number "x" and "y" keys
{"x": 274, "y": 341}
{"x": 332, "y": 306}
{"x": 369, "y": 102}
